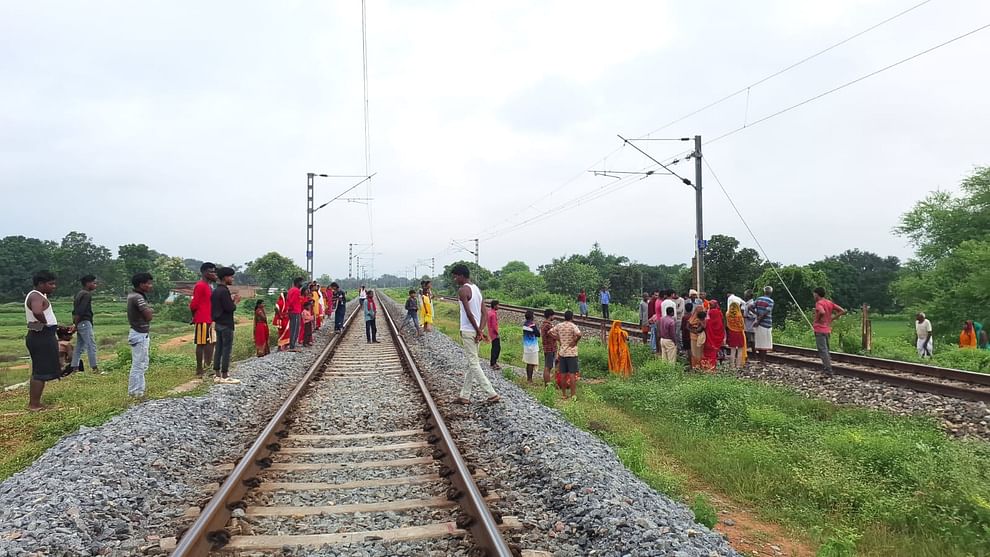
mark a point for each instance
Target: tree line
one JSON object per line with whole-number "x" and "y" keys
{"x": 947, "y": 279}
{"x": 77, "y": 255}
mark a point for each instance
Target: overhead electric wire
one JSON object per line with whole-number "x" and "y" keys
{"x": 367, "y": 126}
{"x": 852, "y": 82}
{"x": 773, "y": 265}
{"x": 788, "y": 68}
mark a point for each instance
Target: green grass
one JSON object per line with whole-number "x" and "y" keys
{"x": 851, "y": 481}
{"x": 89, "y": 399}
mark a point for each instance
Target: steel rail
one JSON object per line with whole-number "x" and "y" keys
{"x": 913, "y": 383}
{"x": 483, "y": 524}
{"x": 207, "y": 533}
{"x": 853, "y": 359}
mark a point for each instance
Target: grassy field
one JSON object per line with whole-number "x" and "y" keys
{"x": 91, "y": 399}
{"x": 846, "y": 481}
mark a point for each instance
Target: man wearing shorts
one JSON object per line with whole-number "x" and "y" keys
{"x": 202, "y": 316}
{"x": 549, "y": 347}
{"x": 567, "y": 335}
{"x": 41, "y": 341}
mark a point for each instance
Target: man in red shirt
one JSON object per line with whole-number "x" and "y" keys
{"x": 294, "y": 303}
{"x": 825, "y": 311}
{"x": 202, "y": 316}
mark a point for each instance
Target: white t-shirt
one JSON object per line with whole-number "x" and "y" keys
{"x": 668, "y": 303}
{"x": 474, "y": 305}
{"x": 923, "y": 329}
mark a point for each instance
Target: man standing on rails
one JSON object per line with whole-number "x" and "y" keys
{"x": 763, "y": 333}
{"x": 644, "y": 317}
{"x": 471, "y": 336}
{"x": 224, "y": 306}
{"x": 604, "y": 298}
{"x": 825, "y": 311}
{"x": 749, "y": 319}
{"x": 293, "y": 299}
{"x": 582, "y": 300}
{"x": 202, "y": 316}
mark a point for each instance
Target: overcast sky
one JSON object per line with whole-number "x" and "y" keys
{"x": 190, "y": 126}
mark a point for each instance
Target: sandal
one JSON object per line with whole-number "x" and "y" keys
{"x": 493, "y": 399}
{"x": 462, "y": 401}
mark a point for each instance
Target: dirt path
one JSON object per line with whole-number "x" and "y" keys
{"x": 751, "y": 536}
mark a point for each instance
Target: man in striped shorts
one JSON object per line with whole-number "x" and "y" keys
{"x": 202, "y": 316}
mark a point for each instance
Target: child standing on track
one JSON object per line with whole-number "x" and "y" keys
{"x": 567, "y": 335}
{"x": 370, "y": 312}
{"x": 531, "y": 346}
{"x": 412, "y": 313}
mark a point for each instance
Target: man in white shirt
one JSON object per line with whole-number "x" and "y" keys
{"x": 923, "y": 329}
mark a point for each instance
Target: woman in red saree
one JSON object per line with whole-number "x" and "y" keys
{"x": 281, "y": 321}
{"x": 715, "y": 336}
{"x": 261, "y": 332}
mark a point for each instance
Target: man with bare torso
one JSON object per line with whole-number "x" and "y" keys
{"x": 41, "y": 341}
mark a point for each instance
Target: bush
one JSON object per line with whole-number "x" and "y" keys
{"x": 704, "y": 512}
{"x": 593, "y": 360}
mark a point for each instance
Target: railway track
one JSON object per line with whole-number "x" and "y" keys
{"x": 357, "y": 454}
{"x": 956, "y": 383}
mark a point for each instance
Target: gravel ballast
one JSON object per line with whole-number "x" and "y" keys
{"x": 566, "y": 485}
{"x": 115, "y": 489}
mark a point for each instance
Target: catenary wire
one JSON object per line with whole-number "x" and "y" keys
{"x": 773, "y": 265}
{"x": 788, "y": 68}
{"x": 848, "y": 83}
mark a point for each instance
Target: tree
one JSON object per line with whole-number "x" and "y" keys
{"x": 166, "y": 271}
{"x": 76, "y": 256}
{"x": 21, "y": 257}
{"x": 951, "y": 291}
{"x": 520, "y": 284}
{"x": 569, "y": 276}
{"x": 939, "y": 223}
{"x": 480, "y": 276}
{"x": 801, "y": 281}
{"x": 274, "y": 269}
{"x": 861, "y": 277}
{"x": 512, "y": 267}
{"x": 729, "y": 269}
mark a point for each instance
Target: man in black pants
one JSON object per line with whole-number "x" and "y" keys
{"x": 223, "y": 305}
{"x": 339, "y": 302}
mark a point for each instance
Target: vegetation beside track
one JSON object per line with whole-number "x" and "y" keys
{"x": 851, "y": 481}
{"x": 89, "y": 399}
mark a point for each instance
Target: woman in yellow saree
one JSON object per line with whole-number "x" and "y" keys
{"x": 426, "y": 308}
{"x": 736, "y": 338}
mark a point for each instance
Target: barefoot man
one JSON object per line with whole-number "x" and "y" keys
{"x": 471, "y": 335}
{"x": 41, "y": 341}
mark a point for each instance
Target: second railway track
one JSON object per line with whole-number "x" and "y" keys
{"x": 358, "y": 455}
{"x": 966, "y": 385}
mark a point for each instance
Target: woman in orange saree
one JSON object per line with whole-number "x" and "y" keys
{"x": 619, "y": 361}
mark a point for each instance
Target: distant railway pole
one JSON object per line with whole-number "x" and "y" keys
{"x": 310, "y": 210}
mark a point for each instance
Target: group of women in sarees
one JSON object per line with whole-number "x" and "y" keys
{"x": 709, "y": 331}
{"x": 323, "y": 308}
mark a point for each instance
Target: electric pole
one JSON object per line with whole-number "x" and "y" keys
{"x": 433, "y": 267}
{"x": 700, "y": 242}
{"x": 476, "y": 262}
{"x": 699, "y": 217}
{"x": 310, "y": 179}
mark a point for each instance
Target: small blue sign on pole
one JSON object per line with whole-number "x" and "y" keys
{"x": 702, "y": 245}
{"x": 309, "y": 254}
